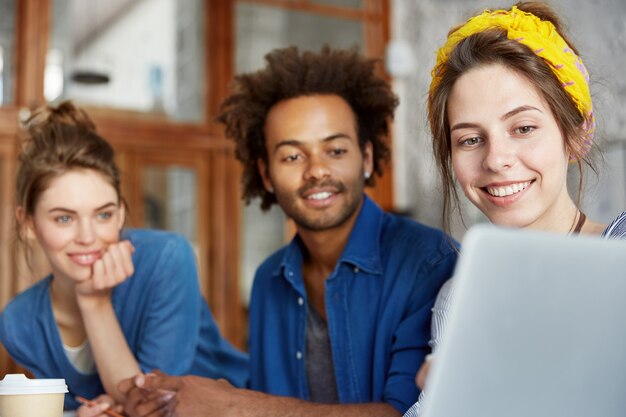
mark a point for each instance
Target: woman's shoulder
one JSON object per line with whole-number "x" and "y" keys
{"x": 159, "y": 254}
{"x": 26, "y": 306}
{"x": 29, "y": 297}
{"x": 150, "y": 235}
{"x": 617, "y": 228}
{"x": 155, "y": 241}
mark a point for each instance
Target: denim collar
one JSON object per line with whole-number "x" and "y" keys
{"x": 362, "y": 249}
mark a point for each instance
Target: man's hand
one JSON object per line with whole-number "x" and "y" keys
{"x": 145, "y": 402}
{"x": 160, "y": 395}
{"x": 194, "y": 396}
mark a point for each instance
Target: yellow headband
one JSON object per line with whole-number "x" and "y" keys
{"x": 543, "y": 39}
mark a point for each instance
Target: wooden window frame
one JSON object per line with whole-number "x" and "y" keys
{"x": 135, "y": 134}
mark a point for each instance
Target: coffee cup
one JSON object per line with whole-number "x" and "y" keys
{"x": 24, "y": 397}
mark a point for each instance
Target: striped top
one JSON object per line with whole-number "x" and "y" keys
{"x": 615, "y": 230}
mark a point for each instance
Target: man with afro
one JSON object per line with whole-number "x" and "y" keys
{"x": 340, "y": 317}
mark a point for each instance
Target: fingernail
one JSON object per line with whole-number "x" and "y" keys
{"x": 104, "y": 406}
{"x": 168, "y": 396}
{"x": 139, "y": 380}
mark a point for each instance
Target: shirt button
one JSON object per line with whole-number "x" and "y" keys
{"x": 356, "y": 269}
{"x": 300, "y": 301}
{"x": 290, "y": 273}
{"x": 298, "y": 355}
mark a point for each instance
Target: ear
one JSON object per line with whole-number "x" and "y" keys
{"x": 368, "y": 160}
{"x": 265, "y": 176}
{"x": 27, "y": 227}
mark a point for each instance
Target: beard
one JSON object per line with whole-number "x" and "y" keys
{"x": 348, "y": 202}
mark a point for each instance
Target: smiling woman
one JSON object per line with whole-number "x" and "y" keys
{"x": 507, "y": 150}
{"x": 118, "y": 301}
{"x": 510, "y": 111}
{"x": 77, "y": 222}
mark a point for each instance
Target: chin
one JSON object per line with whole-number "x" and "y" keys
{"x": 507, "y": 221}
{"x": 79, "y": 275}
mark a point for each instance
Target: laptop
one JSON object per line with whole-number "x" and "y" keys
{"x": 537, "y": 328}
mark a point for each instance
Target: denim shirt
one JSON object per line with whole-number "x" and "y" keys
{"x": 160, "y": 310}
{"x": 378, "y": 306}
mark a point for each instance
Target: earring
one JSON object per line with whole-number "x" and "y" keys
{"x": 270, "y": 190}
{"x": 367, "y": 175}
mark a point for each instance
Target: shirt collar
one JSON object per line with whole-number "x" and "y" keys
{"x": 362, "y": 249}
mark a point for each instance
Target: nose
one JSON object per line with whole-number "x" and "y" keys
{"x": 499, "y": 155}
{"x": 86, "y": 234}
{"x": 317, "y": 168}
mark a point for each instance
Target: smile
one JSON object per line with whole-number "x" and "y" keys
{"x": 319, "y": 196}
{"x": 85, "y": 258}
{"x": 508, "y": 189}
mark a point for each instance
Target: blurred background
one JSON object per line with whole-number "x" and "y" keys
{"x": 152, "y": 73}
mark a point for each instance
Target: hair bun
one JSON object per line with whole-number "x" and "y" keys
{"x": 65, "y": 113}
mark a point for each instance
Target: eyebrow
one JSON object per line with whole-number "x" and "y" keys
{"x": 519, "y": 110}
{"x": 66, "y": 210}
{"x": 295, "y": 142}
{"x": 507, "y": 115}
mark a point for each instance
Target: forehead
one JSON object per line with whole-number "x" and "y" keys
{"x": 491, "y": 90}
{"x": 309, "y": 118}
{"x": 78, "y": 189}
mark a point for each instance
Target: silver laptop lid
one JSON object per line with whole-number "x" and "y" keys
{"x": 537, "y": 328}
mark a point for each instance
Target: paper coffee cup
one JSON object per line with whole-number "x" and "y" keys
{"x": 23, "y": 397}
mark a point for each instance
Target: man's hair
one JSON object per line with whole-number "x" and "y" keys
{"x": 289, "y": 74}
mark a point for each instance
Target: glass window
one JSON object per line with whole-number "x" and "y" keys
{"x": 263, "y": 28}
{"x": 259, "y": 29}
{"x": 7, "y": 42}
{"x": 169, "y": 199}
{"x": 145, "y": 56}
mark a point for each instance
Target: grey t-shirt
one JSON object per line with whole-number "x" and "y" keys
{"x": 319, "y": 360}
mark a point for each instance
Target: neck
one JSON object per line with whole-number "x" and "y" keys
{"x": 564, "y": 218}
{"x": 324, "y": 247}
{"x": 66, "y": 311}
{"x": 561, "y": 217}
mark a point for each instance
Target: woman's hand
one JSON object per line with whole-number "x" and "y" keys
{"x": 113, "y": 268}
{"x": 114, "y": 359}
{"x": 98, "y": 407}
{"x": 422, "y": 373}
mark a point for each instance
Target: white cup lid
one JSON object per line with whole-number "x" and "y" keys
{"x": 18, "y": 384}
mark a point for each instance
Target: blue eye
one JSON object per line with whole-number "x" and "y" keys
{"x": 105, "y": 215}
{"x": 64, "y": 219}
{"x": 471, "y": 141}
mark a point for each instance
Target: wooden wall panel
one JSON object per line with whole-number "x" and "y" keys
{"x": 33, "y": 27}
